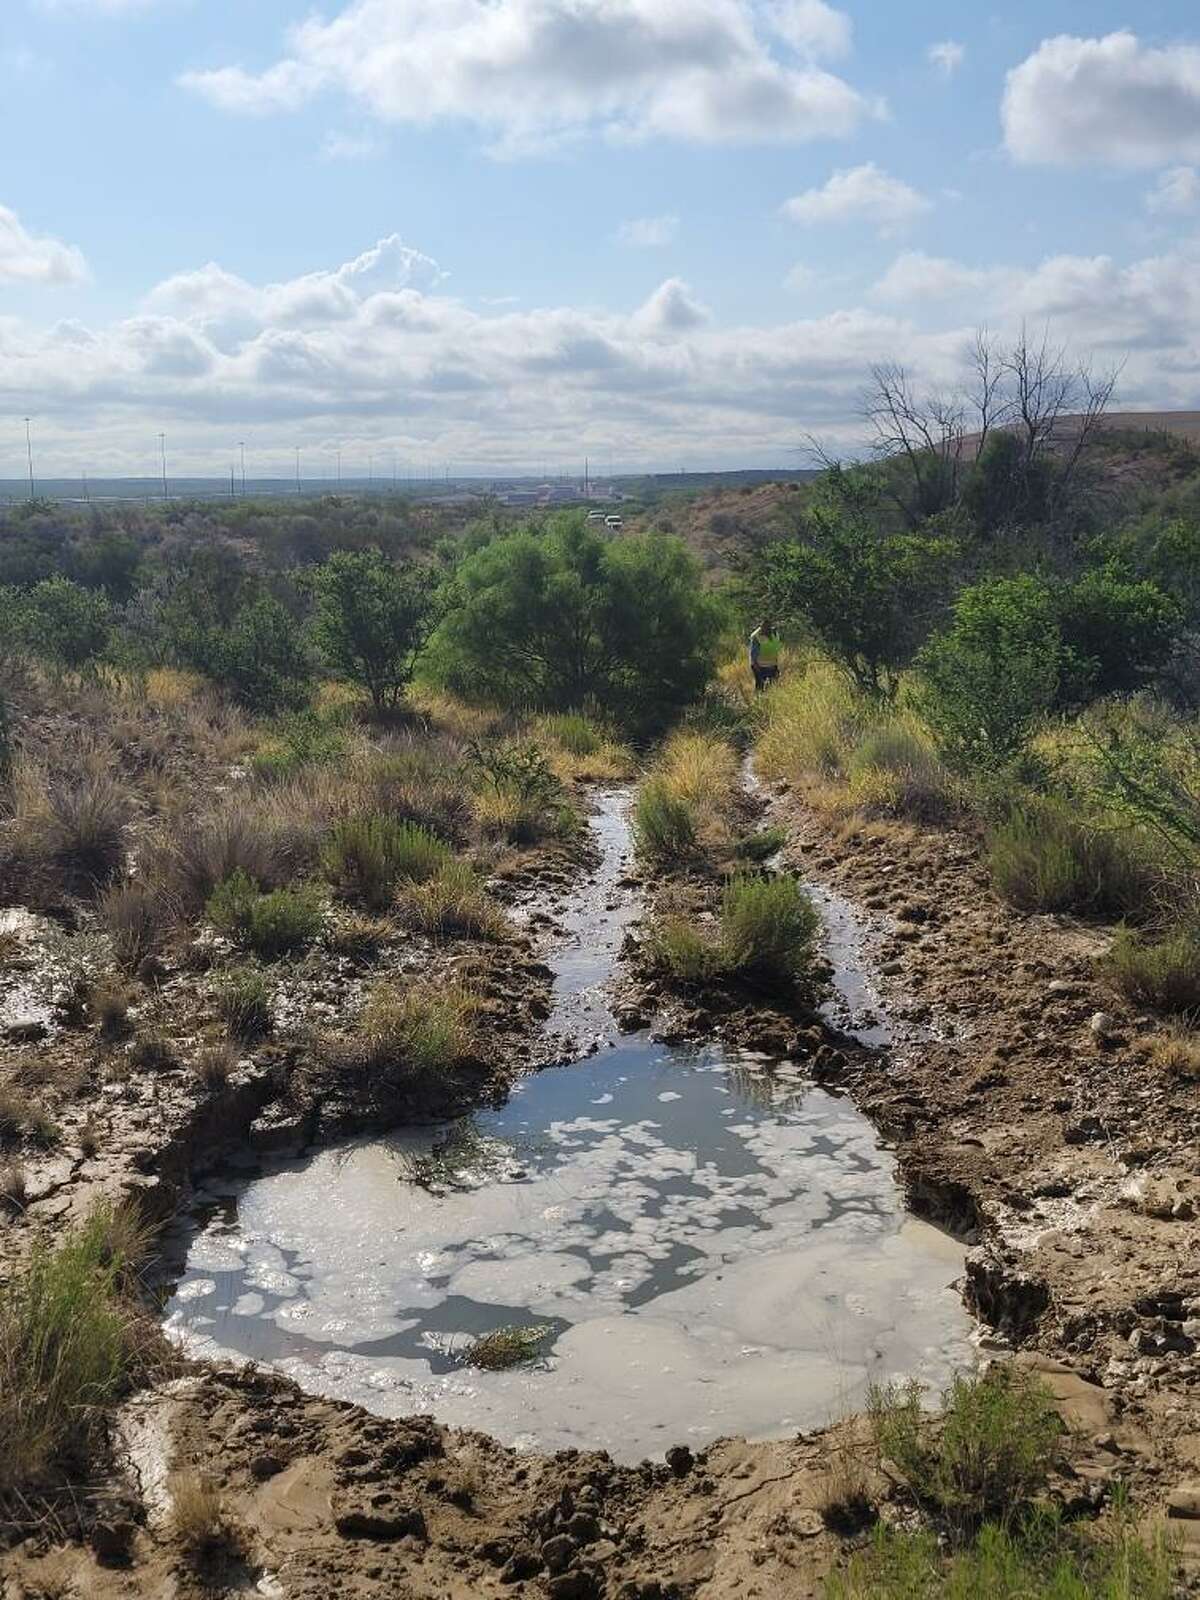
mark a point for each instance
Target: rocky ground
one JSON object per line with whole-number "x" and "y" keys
{"x": 1027, "y": 1117}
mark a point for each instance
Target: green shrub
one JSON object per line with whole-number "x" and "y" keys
{"x": 556, "y": 616}
{"x": 769, "y": 927}
{"x": 1045, "y": 857}
{"x": 67, "y": 625}
{"x": 259, "y": 657}
{"x": 984, "y": 1458}
{"x": 302, "y": 740}
{"x": 664, "y": 825}
{"x": 576, "y": 734}
{"x": 894, "y": 770}
{"x": 366, "y": 856}
{"x": 1161, "y": 973}
{"x": 371, "y": 619}
{"x": 985, "y": 683}
{"x": 244, "y": 1004}
{"x": 1041, "y": 1558}
{"x": 454, "y": 902}
{"x": 761, "y": 846}
{"x": 1121, "y": 630}
{"x": 677, "y": 946}
{"x": 271, "y": 923}
{"x": 67, "y": 1348}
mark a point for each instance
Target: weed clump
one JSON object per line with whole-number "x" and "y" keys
{"x": 664, "y": 825}
{"x": 1177, "y": 1053}
{"x": 677, "y": 946}
{"x": 215, "y": 1065}
{"x": 1044, "y": 857}
{"x": 454, "y": 902}
{"x": 1161, "y": 973}
{"x": 504, "y": 1348}
{"x": 769, "y": 927}
{"x": 271, "y": 923}
{"x": 244, "y": 1004}
{"x": 24, "y": 1119}
{"x": 424, "y": 1028}
{"x": 135, "y": 917}
{"x": 366, "y": 856}
{"x": 984, "y": 1458}
{"x": 67, "y": 1347}
{"x": 200, "y": 1521}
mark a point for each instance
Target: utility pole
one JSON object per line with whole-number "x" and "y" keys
{"x": 242, "y": 448}
{"x": 232, "y": 482}
{"x": 339, "y": 471}
{"x": 370, "y": 472}
{"x": 29, "y": 453}
{"x": 87, "y": 493}
{"x": 393, "y": 472}
{"x": 162, "y": 445}
{"x": 297, "y": 469}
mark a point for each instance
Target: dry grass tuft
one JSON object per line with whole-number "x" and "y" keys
{"x": 215, "y": 1065}
{"x": 423, "y": 1028}
{"x": 1177, "y": 1053}
{"x": 136, "y": 920}
{"x": 454, "y": 904}
{"x": 201, "y": 1523}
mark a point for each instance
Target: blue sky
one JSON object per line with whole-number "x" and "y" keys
{"x": 673, "y": 231}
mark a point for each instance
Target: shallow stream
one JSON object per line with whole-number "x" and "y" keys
{"x": 710, "y": 1244}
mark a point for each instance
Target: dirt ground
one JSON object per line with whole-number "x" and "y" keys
{"x": 1027, "y": 1118}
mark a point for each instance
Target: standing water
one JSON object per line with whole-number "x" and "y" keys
{"x": 709, "y": 1244}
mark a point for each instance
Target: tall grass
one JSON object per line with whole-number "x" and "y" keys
{"x": 1161, "y": 973}
{"x": 1047, "y": 857}
{"x": 767, "y": 933}
{"x": 136, "y": 920}
{"x": 664, "y": 824}
{"x": 366, "y": 856}
{"x": 769, "y": 927}
{"x": 453, "y": 902}
{"x": 67, "y": 1347}
{"x": 423, "y": 1028}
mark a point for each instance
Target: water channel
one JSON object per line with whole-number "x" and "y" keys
{"x": 710, "y": 1244}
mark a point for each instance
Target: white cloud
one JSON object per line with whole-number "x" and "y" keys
{"x": 1177, "y": 190}
{"x": 800, "y": 278}
{"x": 532, "y": 72}
{"x": 649, "y": 233}
{"x": 1111, "y": 101}
{"x": 811, "y": 25}
{"x": 31, "y": 258}
{"x": 915, "y": 276}
{"x": 378, "y": 354}
{"x": 337, "y": 146}
{"x": 860, "y": 194}
{"x": 947, "y": 56}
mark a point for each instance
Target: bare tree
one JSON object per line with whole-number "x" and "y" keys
{"x": 1032, "y": 390}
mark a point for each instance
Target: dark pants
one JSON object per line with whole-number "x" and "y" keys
{"x": 763, "y": 676}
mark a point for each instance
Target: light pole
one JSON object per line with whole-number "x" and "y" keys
{"x": 370, "y": 473}
{"x": 297, "y": 469}
{"x": 242, "y": 448}
{"x": 339, "y": 471}
{"x": 29, "y": 453}
{"x": 162, "y": 445}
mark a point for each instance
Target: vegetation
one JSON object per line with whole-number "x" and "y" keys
{"x": 1047, "y": 857}
{"x": 244, "y": 1004}
{"x": 68, "y": 1348}
{"x": 415, "y": 1029}
{"x": 978, "y": 1472}
{"x": 766, "y": 934}
{"x": 271, "y": 923}
{"x": 370, "y": 621}
{"x": 454, "y": 902}
{"x": 559, "y": 617}
{"x": 506, "y": 1347}
{"x": 365, "y": 856}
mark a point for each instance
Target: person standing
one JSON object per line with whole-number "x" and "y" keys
{"x": 765, "y": 646}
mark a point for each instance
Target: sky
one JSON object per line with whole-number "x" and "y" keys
{"x": 496, "y": 236}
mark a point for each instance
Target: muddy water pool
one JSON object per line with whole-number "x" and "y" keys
{"x": 709, "y": 1244}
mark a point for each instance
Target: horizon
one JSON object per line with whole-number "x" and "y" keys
{"x": 490, "y": 236}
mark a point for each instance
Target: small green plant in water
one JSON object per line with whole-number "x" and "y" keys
{"x": 507, "y": 1347}
{"x": 761, "y": 846}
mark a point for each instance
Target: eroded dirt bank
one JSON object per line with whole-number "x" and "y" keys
{"x": 1015, "y": 1120}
